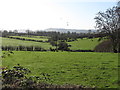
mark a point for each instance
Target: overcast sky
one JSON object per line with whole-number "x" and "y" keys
{"x": 43, "y": 14}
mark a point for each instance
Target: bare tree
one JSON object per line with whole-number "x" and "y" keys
{"x": 15, "y": 31}
{"x": 109, "y": 23}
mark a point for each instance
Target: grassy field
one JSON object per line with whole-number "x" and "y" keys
{"x": 84, "y": 44}
{"x": 15, "y": 42}
{"x": 79, "y": 68}
{"x": 43, "y": 38}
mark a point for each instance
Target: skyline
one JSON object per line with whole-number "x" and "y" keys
{"x": 43, "y": 14}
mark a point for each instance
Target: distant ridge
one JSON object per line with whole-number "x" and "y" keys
{"x": 62, "y": 30}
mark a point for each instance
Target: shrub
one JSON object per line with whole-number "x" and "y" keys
{"x": 63, "y": 46}
{"x": 14, "y": 76}
{"x": 17, "y": 77}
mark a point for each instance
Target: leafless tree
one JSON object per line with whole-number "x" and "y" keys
{"x": 108, "y": 22}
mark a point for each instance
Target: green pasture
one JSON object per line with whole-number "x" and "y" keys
{"x": 15, "y": 42}
{"x": 79, "y": 68}
{"x": 84, "y": 44}
{"x": 43, "y": 38}
{"x": 34, "y": 36}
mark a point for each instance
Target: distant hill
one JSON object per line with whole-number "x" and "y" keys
{"x": 62, "y": 30}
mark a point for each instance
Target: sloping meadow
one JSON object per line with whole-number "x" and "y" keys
{"x": 77, "y": 68}
{"x": 15, "y": 43}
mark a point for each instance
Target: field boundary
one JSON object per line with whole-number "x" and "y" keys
{"x": 27, "y": 39}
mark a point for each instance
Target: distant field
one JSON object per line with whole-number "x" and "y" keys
{"x": 80, "y": 44}
{"x": 43, "y": 38}
{"x": 15, "y": 42}
{"x": 80, "y": 68}
{"x": 84, "y": 44}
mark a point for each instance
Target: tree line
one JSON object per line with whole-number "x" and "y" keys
{"x": 22, "y": 48}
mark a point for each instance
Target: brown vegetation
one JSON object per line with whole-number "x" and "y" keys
{"x": 105, "y": 46}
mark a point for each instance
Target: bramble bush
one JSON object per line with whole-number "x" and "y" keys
{"x": 17, "y": 77}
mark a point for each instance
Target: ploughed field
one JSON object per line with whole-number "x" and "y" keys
{"x": 78, "y": 68}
